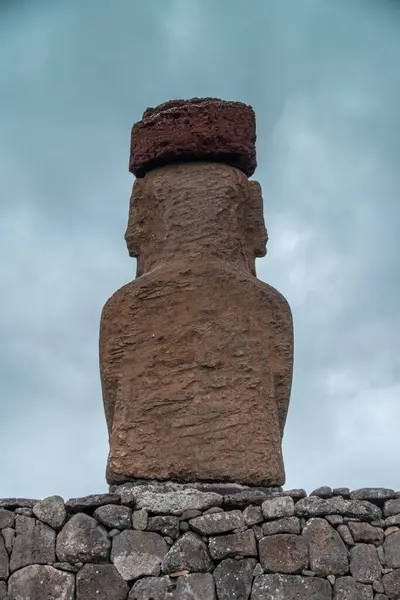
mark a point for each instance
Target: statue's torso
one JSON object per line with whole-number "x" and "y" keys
{"x": 190, "y": 359}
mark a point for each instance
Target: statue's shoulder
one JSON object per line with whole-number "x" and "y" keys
{"x": 118, "y": 300}
{"x": 273, "y": 297}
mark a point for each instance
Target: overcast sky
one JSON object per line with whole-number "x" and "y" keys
{"x": 323, "y": 77}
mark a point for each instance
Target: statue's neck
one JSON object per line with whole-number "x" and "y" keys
{"x": 159, "y": 253}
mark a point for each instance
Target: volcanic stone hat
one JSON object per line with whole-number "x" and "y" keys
{"x": 198, "y": 129}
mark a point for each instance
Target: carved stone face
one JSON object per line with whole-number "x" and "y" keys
{"x": 198, "y": 208}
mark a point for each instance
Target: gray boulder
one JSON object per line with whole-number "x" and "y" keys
{"x": 82, "y": 539}
{"x": 196, "y": 586}
{"x": 100, "y": 582}
{"x": 42, "y": 583}
{"x": 233, "y": 578}
{"x": 34, "y": 544}
{"x": 290, "y": 587}
{"x": 51, "y": 511}
{"x": 188, "y": 553}
{"x": 328, "y": 553}
{"x": 283, "y": 553}
{"x": 138, "y": 554}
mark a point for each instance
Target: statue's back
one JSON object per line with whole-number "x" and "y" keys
{"x": 194, "y": 360}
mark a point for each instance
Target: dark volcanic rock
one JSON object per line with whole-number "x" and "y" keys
{"x": 196, "y": 586}
{"x": 153, "y": 588}
{"x": 364, "y": 563}
{"x": 328, "y": 553}
{"x": 37, "y": 582}
{"x": 233, "y": 578}
{"x": 290, "y": 587}
{"x": 206, "y": 129}
{"x": 114, "y": 516}
{"x": 82, "y": 539}
{"x": 138, "y": 553}
{"x": 34, "y": 544}
{"x": 6, "y": 518}
{"x": 283, "y": 553}
{"x": 100, "y": 582}
{"x": 233, "y": 545}
{"x": 345, "y": 588}
{"x": 189, "y": 553}
{"x": 51, "y": 511}
{"x": 90, "y": 503}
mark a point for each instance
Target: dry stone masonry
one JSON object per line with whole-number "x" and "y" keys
{"x": 159, "y": 541}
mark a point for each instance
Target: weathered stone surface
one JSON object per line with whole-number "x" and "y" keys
{"x": 244, "y": 498}
{"x": 9, "y": 536}
{"x": 195, "y": 586}
{"x": 3, "y": 591}
{"x": 283, "y": 553}
{"x": 341, "y": 491}
{"x": 114, "y": 516}
{"x": 188, "y": 553}
{"x": 217, "y": 523}
{"x": 153, "y": 588}
{"x": 138, "y": 553}
{"x": 13, "y": 503}
{"x": 394, "y": 520}
{"x": 201, "y": 224}
{"x": 323, "y": 492}
{"x": 391, "y": 507}
{"x": 4, "y": 566}
{"x": 364, "y": 532}
{"x": 345, "y": 534}
{"x": 364, "y": 563}
{"x": 192, "y": 130}
{"x": 345, "y": 588}
{"x": 165, "y": 524}
{"x": 252, "y": 515}
{"x": 6, "y": 518}
{"x": 391, "y": 547}
{"x": 139, "y": 519}
{"x": 328, "y": 553}
{"x": 90, "y": 503}
{"x": 234, "y": 545}
{"x": 100, "y": 582}
{"x": 34, "y": 544}
{"x": 233, "y": 578}
{"x": 82, "y": 539}
{"x": 275, "y": 508}
{"x": 51, "y": 511}
{"x": 319, "y": 507}
{"x": 173, "y": 503}
{"x": 375, "y": 495}
{"x": 285, "y": 525}
{"x": 391, "y": 583}
{"x": 37, "y": 582}
{"x": 290, "y": 587}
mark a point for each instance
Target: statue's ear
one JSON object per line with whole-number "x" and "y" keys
{"x": 136, "y": 217}
{"x": 255, "y": 226}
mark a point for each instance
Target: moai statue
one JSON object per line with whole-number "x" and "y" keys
{"x": 196, "y": 354}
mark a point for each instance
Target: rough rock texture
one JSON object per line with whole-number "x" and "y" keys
{"x": 191, "y": 556}
{"x": 41, "y": 583}
{"x": 138, "y": 553}
{"x": 178, "y": 371}
{"x": 100, "y": 582}
{"x": 83, "y": 539}
{"x": 191, "y": 130}
{"x": 283, "y": 553}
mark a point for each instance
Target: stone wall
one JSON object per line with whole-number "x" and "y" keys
{"x": 153, "y": 541}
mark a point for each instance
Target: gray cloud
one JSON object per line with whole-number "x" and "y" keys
{"x": 323, "y": 78}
